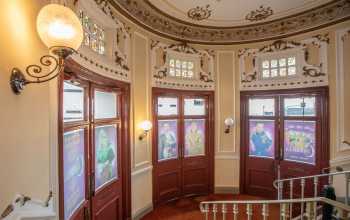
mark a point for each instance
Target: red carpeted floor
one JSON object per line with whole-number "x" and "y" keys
{"x": 188, "y": 208}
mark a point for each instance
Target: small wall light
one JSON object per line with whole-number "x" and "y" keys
{"x": 146, "y": 126}
{"x": 229, "y": 122}
{"x": 60, "y": 30}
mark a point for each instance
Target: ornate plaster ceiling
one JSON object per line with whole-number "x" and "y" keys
{"x": 228, "y": 13}
{"x": 231, "y": 21}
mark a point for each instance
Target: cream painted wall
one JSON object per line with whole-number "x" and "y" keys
{"x": 24, "y": 119}
{"x": 227, "y": 152}
{"x": 141, "y": 96}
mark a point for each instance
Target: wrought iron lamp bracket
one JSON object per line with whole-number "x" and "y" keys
{"x": 56, "y": 61}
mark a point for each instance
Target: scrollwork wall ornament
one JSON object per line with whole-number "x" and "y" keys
{"x": 116, "y": 62}
{"x": 347, "y": 34}
{"x": 259, "y": 14}
{"x": 202, "y": 80}
{"x": 308, "y": 75}
{"x": 199, "y": 13}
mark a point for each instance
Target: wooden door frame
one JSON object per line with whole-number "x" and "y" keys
{"x": 75, "y": 70}
{"x": 324, "y": 111}
{"x": 211, "y": 128}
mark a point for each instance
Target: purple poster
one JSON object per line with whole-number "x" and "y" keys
{"x": 73, "y": 171}
{"x": 105, "y": 154}
{"x": 261, "y": 138}
{"x": 194, "y": 137}
{"x": 167, "y": 139}
{"x": 299, "y": 141}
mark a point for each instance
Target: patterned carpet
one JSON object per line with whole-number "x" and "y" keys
{"x": 188, "y": 208}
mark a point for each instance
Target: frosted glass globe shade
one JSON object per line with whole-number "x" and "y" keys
{"x": 59, "y": 26}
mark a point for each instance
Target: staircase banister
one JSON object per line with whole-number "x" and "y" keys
{"x": 275, "y": 183}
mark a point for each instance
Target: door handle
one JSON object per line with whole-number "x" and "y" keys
{"x": 87, "y": 213}
{"x": 92, "y": 185}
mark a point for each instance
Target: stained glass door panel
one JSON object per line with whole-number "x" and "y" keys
{"x": 261, "y": 138}
{"x": 73, "y": 171}
{"x": 73, "y": 102}
{"x": 167, "y": 139}
{"x": 194, "y": 137}
{"x": 105, "y": 105}
{"x": 167, "y": 106}
{"x": 106, "y": 168}
{"x": 300, "y": 141}
{"x": 194, "y": 106}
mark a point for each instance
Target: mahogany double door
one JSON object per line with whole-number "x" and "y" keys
{"x": 283, "y": 133}
{"x": 182, "y": 144}
{"x": 92, "y": 136}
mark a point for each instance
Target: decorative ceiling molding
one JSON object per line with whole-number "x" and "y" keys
{"x": 259, "y": 14}
{"x": 143, "y": 14}
{"x": 199, "y": 13}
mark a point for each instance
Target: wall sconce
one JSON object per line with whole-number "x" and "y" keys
{"x": 229, "y": 122}
{"x": 60, "y": 30}
{"x": 146, "y": 126}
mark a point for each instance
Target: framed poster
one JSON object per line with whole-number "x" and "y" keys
{"x": 261, "y": 138}
{"x": 194, "y": 137}
{"x": 73, "y": 171}
{"x": 105, "y": 155}
{"x": 299, "y": 141}
{"x": 167, "y": 139}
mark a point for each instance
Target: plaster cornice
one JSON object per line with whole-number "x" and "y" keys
{"x": 147, "y": 16}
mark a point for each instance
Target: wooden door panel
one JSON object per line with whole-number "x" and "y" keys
{"x": 195, "y": 180}
{"x": 260, "y": 177}
{"x": 110, "y": 210}
{"x": 169, "y": 185}
{"x": 80, "y": 213}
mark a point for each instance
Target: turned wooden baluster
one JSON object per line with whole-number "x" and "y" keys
{"x": 265, "y": 211}
{"x": 215, "y": 210}
{"x": 310, "y": 210}
{"x": 315, "y": 191}
{"x": 280, "y": 190}
{"x": 224, "y": 211}
{"x": 284, "y": 211}
{"x": 249, "y": 212}
{"x": 291, "y": 197}
{"x": 235, "y": 211}
{"x": 206, "y": 211}
{"x": 302, "y": 184}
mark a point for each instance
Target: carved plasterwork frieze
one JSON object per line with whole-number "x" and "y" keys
{"x": 160, "y": 23}
{"x": 199, "y": 13}
{"x": 308, "y": 74}
{"x": 259, "y": 14}
{"x": 203, "y": 78}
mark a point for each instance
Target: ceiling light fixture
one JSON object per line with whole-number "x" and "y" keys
{"x": 60, "y": 30}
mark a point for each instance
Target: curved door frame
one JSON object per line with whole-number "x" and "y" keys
{"x": 287, "y": 167}
{"x": 75, "y": 71}
{"x": 183, "y": 163}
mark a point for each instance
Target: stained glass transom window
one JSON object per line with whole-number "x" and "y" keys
{"x": 279, "y": 67}
{"x": 181, "y": 68}
{"x": 94, "y": 35}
